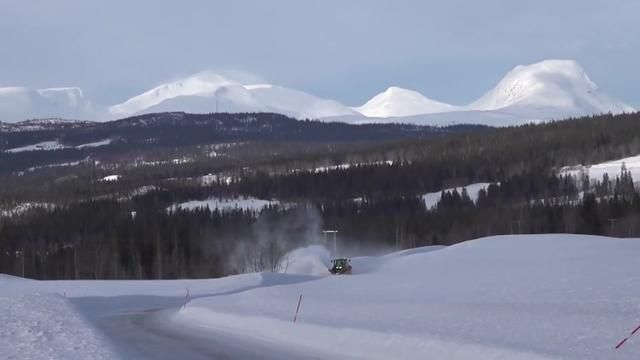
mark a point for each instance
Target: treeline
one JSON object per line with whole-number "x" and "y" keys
{"x": 111, "y": 240}
{"x": 140, "y": 239}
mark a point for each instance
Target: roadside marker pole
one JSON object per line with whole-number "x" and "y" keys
{"x": 627, "y": 338}
{"x": 186, "y": 299}
{"x": 295, "y": 317}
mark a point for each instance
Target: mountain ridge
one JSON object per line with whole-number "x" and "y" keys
{"x": 547, "y": 90}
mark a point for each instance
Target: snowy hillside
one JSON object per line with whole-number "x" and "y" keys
{"x": 432, "y": 199}
{"x": 555, "y": 296}
{"x": 612, "y": 168}
{"x": 226, "y": 204}
{"x": 396, "y": 102}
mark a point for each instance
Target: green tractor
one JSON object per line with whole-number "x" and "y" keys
{"x": 340, "y": 266}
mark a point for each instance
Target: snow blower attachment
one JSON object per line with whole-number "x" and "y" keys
{"x": 340, "y": 266}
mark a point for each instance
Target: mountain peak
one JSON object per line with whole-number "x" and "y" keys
{"x": 202, "y": 85}
{"x": 397, "y": 101}
{"x": 559, "y": 84}
{"x": 208, "y": 91}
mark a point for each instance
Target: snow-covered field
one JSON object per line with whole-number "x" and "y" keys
{"x": 43, "y": 146}
{"x": 553, "y": 296}
{"x": 612, "y": 168}
{"x": 56, "y": 145}
{"x": 104, "y": 142}
{"x": 22, "y": 208}
{"x": 431, "y": 200}
{"x": 226, "y": 204}
{"x": 110, "y": 178}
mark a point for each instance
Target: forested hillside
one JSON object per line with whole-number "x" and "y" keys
{"x": 116, "y": 212}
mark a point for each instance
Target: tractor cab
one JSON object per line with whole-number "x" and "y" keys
{"x": 340, "y": 266}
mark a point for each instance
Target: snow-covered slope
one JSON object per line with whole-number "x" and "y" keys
{"x": 549, "y": 89}
{"x": 611, "y": 168}
{"x": 21, "y": 103}
{"x": 37, "y": 324}
{"x": 510, "y": 297}
{"x": 397, "y": 102}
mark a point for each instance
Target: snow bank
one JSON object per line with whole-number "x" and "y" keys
{"x": 44, "y": 326}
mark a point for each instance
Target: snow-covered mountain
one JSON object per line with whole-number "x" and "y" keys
{"x": 396, "y": 102}
{"x": 20, "y": 103}
{"x": 549, "y": 89}
{"x": 210, "y": 92}
{"x": 201, "y": 93}
{"x": 297, "y": 103}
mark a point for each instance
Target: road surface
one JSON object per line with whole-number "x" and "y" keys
{"x": 139, "y": 331}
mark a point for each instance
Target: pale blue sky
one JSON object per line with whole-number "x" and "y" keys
{"x": 450, "y": 50}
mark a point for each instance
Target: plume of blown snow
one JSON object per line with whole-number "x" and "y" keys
{"x": 309, "y": 260}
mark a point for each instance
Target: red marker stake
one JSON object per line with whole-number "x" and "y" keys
{"x": 297, "y": 309}
{"x": 627, "y": 338}
{"x": 186, "y": 299}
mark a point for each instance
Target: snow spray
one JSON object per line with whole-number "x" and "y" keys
{"x": 627, "y": 338}
{"x": 295, "y": 317}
